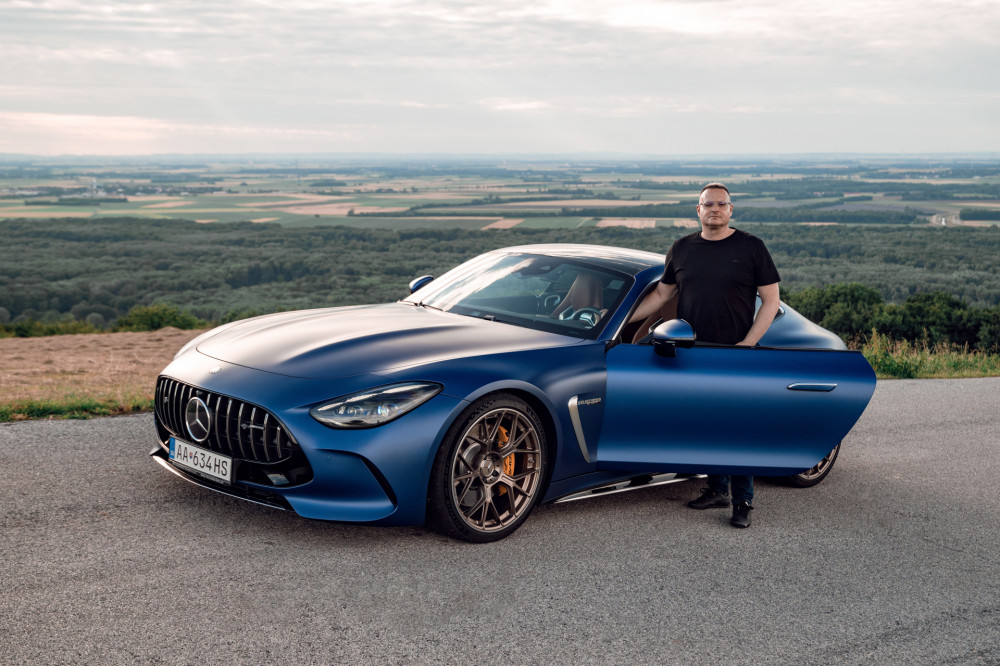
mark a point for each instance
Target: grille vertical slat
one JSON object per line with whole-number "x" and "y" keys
{"x": 172, "y": 406}
{"x": 263, "y": 433}
{"x": 168, "y": 405}
{"x": 216, "y": 430}
{"x": 175, "y": 406}
{"x": 233, "y": 423}
{"x": 163, "y": 405}
{"x": 229, "y": 437}
{"x": 185, "y": 397}
{"x": 252, "y": 429}
{"x": 178, "y": 401}
{"x": 239, "y": 430}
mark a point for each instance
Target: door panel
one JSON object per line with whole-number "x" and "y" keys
{"x": 737, "y": 410}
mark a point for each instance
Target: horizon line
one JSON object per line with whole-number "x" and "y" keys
{"x": 582, "y": 155}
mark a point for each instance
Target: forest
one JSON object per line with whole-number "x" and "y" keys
{"x": 910, "y": 282}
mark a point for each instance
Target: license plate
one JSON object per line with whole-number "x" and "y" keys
{"x": 204, "y": 462}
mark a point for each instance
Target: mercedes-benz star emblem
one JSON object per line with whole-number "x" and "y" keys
{"x": 198, "y": 418}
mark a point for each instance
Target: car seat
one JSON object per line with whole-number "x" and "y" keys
{"x": 666, "y": 312}
{"x": 585, "y": 292}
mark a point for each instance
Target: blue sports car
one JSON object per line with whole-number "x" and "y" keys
{"x": 513, "y": 379}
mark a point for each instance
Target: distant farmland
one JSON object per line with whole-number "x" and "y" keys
{"x": 481, "y": 195}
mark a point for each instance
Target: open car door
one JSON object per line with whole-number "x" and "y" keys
{"x": 729, "y": 410}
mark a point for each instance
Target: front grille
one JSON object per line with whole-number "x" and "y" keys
{"x": 238, "y": 429}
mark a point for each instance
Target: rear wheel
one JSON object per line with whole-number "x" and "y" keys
{"x": 489, "y": 472}
{"x": 811, "y": 477}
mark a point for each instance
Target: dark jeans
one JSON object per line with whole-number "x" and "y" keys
{"x": 742, "y": 487}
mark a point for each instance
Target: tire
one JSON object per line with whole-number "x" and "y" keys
{"x": 811, "y": 477}
{"x": 489, "y": 472}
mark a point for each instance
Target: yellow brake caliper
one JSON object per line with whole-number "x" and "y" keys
{"x": 508, "y": 462}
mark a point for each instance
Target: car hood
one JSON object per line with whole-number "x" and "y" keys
{"x": 341, "y": 342}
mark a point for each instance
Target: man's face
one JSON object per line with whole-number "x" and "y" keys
{"x": 712, "y": 215}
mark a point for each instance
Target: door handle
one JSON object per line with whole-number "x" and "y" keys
{"x": 803, "y": 386}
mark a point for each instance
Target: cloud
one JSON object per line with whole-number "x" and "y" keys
{"x": 414, "y": 74}
{"x": 51, "y": 134}
{"x": 515, "y": 105}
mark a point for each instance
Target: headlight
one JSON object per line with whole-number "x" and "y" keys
{"x": 374, "y": 407}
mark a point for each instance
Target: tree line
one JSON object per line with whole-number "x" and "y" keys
{"x": 978, "y": 214}
{"x": 855, "y": 311}
{"x": 98, "y": 270}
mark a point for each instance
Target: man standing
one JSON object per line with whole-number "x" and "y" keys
{"x": 717, "y": 274}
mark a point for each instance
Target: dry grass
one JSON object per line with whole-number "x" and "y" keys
{"x": 899, "y": 359}
{"x": 115, "y": 370}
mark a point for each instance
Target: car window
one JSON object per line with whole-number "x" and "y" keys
{"x": 546, "y": 293}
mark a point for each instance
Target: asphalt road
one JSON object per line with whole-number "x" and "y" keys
{"x": 105, "y": 558}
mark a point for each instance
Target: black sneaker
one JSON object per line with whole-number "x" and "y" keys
{"x": 741, "y": 514}
{"x": 709, "y": 499}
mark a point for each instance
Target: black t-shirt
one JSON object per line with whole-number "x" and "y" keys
{"x": 717, "y": 282}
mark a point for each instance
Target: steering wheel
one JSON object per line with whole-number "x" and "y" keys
{"x": 548, "y": 302}
{"x": 587, "y": 315}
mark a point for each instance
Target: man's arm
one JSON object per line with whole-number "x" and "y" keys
{"x": 769, "y": 302}
{"x": 655, "y": 300}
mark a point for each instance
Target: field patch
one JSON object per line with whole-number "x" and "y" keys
{"x": 290, "y": 199}
{"x": 575, "y": 203}
{"x": 170, "y": 204}
{"x": 630, "y": 222}
{"x": 33, "y": 212}
{"x": 433, "y": 196}
{"x": 117, "y": 366}
{"x": 504, "y": 223}
{"x": 341, "y": 209}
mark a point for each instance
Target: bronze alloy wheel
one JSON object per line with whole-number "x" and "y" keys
{"x": 812, "y": 476}
{"x": 492, "y": 474}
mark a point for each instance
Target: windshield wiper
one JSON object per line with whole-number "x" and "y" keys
{"x": 493, "y": 317}
{"x": 421, "y": 304}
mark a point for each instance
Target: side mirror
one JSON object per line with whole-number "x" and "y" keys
{"x": 420, "y": 282}
{"x": 670, "y": 335}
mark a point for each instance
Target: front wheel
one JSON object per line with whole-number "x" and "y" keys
{"x": 489, "y": 472}
{"x": 811, "y": 477}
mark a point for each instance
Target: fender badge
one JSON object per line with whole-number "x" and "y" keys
{"x": 214, "y": 371}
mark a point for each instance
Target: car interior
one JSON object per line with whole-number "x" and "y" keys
{"x": 587, "y": 291}
{"x": 635, "y": 332}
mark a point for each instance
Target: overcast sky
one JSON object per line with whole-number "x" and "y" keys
{"x": 655, "y": 77}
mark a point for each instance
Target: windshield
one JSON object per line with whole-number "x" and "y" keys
{"x": 545, "y": 293}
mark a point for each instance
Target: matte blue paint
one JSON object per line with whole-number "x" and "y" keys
{"x": 728, "y": 410}
{"x": 707, "y": 409}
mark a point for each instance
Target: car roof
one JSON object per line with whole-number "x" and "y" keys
{"x": 621, "y": 259}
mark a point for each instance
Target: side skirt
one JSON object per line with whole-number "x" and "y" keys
{"x": 635, "y": 483}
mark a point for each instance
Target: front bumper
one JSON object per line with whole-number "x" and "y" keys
{"x": 377, "y": 475}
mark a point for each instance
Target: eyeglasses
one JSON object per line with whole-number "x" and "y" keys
{"x": 713, "y": 204}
